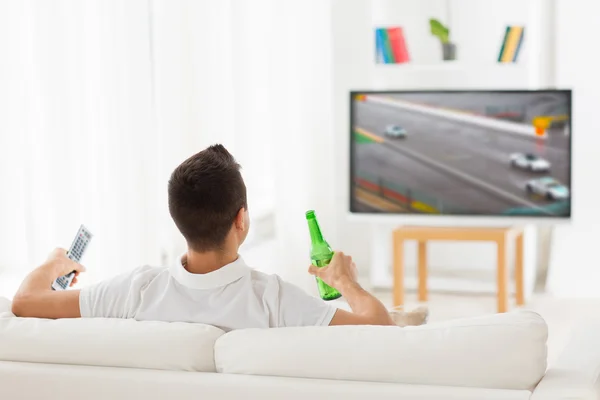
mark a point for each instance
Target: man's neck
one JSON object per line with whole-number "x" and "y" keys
{"x": 203, "y": 263}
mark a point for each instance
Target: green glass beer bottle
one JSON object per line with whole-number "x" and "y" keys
{"x": 320, "y": 255}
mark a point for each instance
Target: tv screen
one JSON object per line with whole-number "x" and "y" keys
{"x": 480, "y": 153}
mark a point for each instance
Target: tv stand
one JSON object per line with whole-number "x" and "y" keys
{"x": 422, "y": 235}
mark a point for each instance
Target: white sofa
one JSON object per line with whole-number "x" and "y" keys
{"x": 500, "y": 356}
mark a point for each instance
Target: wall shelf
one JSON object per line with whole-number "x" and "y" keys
{"x": 450, "y": 75}
{"x": 444, "y": 66}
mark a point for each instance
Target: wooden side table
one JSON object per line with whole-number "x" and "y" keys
{"x": 501, "y": 236}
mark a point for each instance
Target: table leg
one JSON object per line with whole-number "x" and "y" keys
{"x": 398, "y": 244}
{"x": 502, "y": 277}
{"x": 520, "y": 295}
{"x": 422, "y": 271}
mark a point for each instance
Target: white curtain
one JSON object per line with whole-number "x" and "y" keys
{"x": 78, "y": 142}
{"x": 103, "y": 98}
{"x": 257, "y": 76}
{"x": 213, "y": 62}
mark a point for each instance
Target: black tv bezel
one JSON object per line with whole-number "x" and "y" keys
{"x": 354, "y": 93}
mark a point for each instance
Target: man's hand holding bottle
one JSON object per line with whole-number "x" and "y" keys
{"x": 339, "y": 273}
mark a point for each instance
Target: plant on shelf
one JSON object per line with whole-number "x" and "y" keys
{"x": 443, "y": 33}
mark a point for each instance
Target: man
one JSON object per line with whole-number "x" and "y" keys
{"x": 209, "y": 284}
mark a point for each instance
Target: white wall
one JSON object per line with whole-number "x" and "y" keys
{"x": 349, "y": 19}
{"x": 575, "y": 269}
{"x": 478, "y": 40}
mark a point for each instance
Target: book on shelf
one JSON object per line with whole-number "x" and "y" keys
{"x": 390, "y": 46}
{"x": 511, "y": 45}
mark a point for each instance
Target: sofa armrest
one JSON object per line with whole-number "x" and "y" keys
{"x": 576, "y": 373}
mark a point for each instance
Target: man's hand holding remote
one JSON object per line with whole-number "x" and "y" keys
{"x": 341, "y": 274}
{"x": 61, "y": 264}
{"x": 35, "y": 297}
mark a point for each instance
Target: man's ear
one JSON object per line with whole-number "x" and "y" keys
{"x": 240, "y": 221}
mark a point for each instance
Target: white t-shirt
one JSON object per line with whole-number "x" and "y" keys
{"x": 233, "y": 297}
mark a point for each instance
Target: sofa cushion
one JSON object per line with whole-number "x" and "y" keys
{"x": 109, "y": 342}
{"x": 501, "y": 351}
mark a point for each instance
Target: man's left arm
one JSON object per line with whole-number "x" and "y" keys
{"x": 35, "y": 297}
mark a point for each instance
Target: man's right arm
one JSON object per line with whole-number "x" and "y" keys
{"x": 366, "y": 308}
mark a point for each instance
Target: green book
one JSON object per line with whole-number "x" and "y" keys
{"x": 387, "y": 48}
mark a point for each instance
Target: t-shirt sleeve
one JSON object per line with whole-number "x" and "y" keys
{"x": 118, "y": 297}
{"x": 298, "y": 308}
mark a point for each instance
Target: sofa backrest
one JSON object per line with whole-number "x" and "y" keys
{"x": 174, "y": 346}
{"x": 501, "y": 351}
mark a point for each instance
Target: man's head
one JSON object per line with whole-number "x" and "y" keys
{"x": 207, "y": 200}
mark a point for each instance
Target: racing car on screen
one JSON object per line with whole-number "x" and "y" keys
{"x": 395, "y": 131}
{"x": 548, "y": 187}
{"x": 529, "y": 161}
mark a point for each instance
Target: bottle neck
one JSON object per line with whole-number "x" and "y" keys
{"x": 315, "y": 231}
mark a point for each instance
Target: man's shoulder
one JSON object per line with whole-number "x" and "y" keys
{"x": 149, "y": 269}
{"x": 272, "y": 281}
{"x": 268, "y": 285}
{"x": 260, "y": 276}
{"x": 144, "y": 274}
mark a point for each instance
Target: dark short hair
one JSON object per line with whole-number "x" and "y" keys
{"x": 205, "y": 194}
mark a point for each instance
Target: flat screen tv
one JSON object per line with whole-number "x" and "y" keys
{"x": 461, "y": 153}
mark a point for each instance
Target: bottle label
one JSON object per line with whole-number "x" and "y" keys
{"x": 321, "y": 263}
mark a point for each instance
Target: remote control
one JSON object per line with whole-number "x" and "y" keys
{"x": 75, "y": 253}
